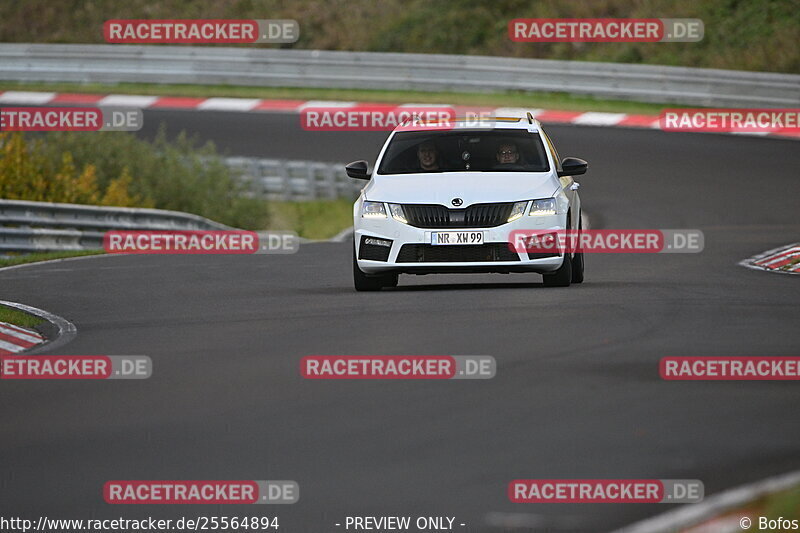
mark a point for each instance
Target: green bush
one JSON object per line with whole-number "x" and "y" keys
{"x": 115, "y": 168}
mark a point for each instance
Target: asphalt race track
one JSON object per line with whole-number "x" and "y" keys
{"x": 577, "y": 392}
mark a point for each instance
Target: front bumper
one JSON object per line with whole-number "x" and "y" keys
{"x": 411, "y": 251}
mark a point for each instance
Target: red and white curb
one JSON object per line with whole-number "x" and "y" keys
{"x": 583, "y": 118}
{"x": 14, "y": 339}
{"x": 777, "y": 260}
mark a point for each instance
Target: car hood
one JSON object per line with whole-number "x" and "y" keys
{"x": 471, "y": 187}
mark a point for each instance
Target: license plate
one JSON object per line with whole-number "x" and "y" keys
{"x": 457, "y": 237}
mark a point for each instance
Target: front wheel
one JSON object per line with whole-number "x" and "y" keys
{"x": 577, "y": 260}
{"x": 577, "y": 268}
{"x": 363, "y": 282}
{"x": 561, "y": 277}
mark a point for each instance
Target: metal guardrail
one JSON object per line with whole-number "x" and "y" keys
{"x": 45, "y": 226}
{"x": 372, "y": 70}
{"x": 277, "y": 179}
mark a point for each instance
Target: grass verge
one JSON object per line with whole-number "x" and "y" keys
{"x": 531, "y": 100}
{"x": 786, "y": 504}
{"x": 10, "y": 315}
{"x": 43, "y": 256}
{"x": 317, "y": 219}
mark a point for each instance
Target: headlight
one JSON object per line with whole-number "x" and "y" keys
{"x": 545, "y": 206}
{"x": 373, "y": 210}
{"x": 397, "y": 213}
{"x": 517, "y": 210}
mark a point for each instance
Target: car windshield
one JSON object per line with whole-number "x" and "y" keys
{"x": 506, "y": 150}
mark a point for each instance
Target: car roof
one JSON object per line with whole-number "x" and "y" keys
{"x": 481, "y": 122}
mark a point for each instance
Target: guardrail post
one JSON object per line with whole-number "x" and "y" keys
{"x": 286, "y": 191}
{"x": 330, "y": 179}
{"x": 311, "y": 178}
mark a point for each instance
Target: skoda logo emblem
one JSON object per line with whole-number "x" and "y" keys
{"x": 457, "y": 201}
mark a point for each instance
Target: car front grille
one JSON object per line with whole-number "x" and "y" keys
{"x": 474, "y": 216}
{"x": 474, "y": 253}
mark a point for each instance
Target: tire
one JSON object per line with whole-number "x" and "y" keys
{"x": 561, "y": 277}
{"x": 577, "y": 268}
{"x": 390, "y": 280}
{"x": 577, "y": 261}
{"x": 365, "y": 283}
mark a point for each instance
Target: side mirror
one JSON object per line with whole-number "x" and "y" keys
{"x": 357, "y": 170}
{"x": 572, "y": 166}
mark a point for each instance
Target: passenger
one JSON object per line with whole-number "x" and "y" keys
{"x": 507, "y": 154}
{"x": 428, "y": 156}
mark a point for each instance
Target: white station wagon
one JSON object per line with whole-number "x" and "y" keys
{"x": 447, "y": 199}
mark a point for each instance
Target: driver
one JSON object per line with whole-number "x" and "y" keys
{"x": 507, "y": 154}
{"x": 428, "y": 156}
